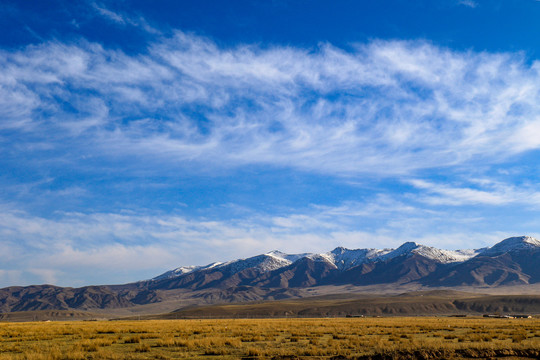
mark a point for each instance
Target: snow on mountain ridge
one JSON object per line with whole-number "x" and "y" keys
{"x": 513, "y": 244}
{"x": 185, "y": 270}
{"x": 442, "y": 256}
{"x": 445, "y": 256}
{"x": 344, "y": 259}
{"x": 263, "y": 263}
{"x": 288, "y": 257}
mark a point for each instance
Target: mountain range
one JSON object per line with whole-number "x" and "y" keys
{"x": 512, "y": 262}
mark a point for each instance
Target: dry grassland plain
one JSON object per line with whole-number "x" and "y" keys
{"x": 337, "y": 338}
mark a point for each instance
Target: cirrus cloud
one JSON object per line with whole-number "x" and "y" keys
{"x": 384, "y": 108}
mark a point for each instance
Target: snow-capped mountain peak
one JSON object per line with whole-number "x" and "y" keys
{"x": 441, "y": 256}
{"x": 407, "y": 247}
{"x": 287, "y": 257}
{"x": 513, "y": 244}
{"x": 185, "y": 270}
{"x": 445, "y": 256}
{"x": 343, "y": 259}
{"x": 265, "y": 262}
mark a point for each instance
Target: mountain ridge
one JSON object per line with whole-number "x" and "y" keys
{"x": 341, "y": 257}
{"x": 277, "y": 275}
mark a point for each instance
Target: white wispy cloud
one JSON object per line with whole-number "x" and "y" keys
{"x": 386, "y": 108}
{"x": 111, "y": 15}
{"x": 468, "y": 3}
{"x": 486, "y": 192}
{"x": 123, "y": 19}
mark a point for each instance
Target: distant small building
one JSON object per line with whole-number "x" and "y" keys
{"x": 497, "y": 316}
{"x": 522, "y": 316}
{"x": 513, "y": 316}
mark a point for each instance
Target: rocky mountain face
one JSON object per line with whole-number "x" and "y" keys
{"x": 410, "y": 262}
{"x": 275, "y": 275}
{"x": 45, "y": 297}
{"x": 513, "y": 261}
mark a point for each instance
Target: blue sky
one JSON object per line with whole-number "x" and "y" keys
{"x": 136, "y": 137}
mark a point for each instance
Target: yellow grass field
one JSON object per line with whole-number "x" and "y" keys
{"x": 332, "y": 338}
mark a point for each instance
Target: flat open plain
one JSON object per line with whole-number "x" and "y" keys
{"x": 322, "y": 338}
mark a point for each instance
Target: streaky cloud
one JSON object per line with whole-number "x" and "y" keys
{"x": 384, "y": 108}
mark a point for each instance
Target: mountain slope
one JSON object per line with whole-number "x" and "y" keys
{"x": 45, "y": 297}
{"x": 341, "y": 259}
{"x": 513, "y": 261}
{"x": 513, "y": 244}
